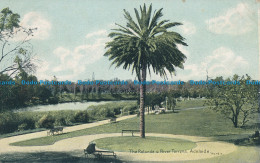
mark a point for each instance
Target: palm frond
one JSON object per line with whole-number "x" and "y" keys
{"x": 146, "y": 43}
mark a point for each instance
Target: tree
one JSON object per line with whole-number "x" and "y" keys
{"x": 143, "y": 45}
{"x": 7, "y": 93}
{"x": 14, "y": 54}
{"x": 235, "y": 102}
{"x": 152, "y": 99}
{"x": 171, "y": 100}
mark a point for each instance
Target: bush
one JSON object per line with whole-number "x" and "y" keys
{"x": 53, "y": 100}
{"x": 131, "y": 109}
{"x": 61, "y": 121}
{"x": 116, "y": 109}
{"x": 105, "y": 113}
{"x": 8, "y": 122}
{"x": 81, "y": 116}
{"x": 69, "y": 121}
{"x": 22, "y": 127}
{"x": 26, "y": 124}
{"x": 92, "y": 113}
{"x": 47, "y": 121}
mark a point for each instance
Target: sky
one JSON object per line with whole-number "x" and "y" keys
{"x": 69, "y": 42}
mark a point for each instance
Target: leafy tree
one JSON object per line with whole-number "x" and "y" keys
{"x": 14, "y": 54}
{"x": 171, "y": 100}
{"x": 153, "y": 99}
{"x": 235, "y": 102}
{"x": 143, "y": 45}
{"x": 6, "y": 93}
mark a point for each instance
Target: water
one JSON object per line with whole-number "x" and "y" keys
{"x": 65, "y": 106}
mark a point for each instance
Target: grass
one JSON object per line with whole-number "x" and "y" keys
{"x": 147, "y": 145}
{"x": 190, "y": 103}
{"x": 53, "y": 157}
{"x": 21, "y": 132}
{"x": 200, "y": 122}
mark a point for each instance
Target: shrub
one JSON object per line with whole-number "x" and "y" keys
{"x": 61, "y": 121}
{"x": 116, "y": 109}
{"x": 105, "y": 113}
{"x": 8, "y": 122}
{"x": 22, "y": 127}
{"x": 26, "y": 124}
{"x": 81, "y": 116}
{"x": 69, "y": 120}
{"x": 131, "y": 109}
{"x": 53, "y": 100}
{"x": 47, "y": 121}
{"x": 92, "y": 112}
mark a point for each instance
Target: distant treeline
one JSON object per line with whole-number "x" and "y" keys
{"x": 19, "y": 95}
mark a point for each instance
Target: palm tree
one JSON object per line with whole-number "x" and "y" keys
{"x": 144, "y": 45}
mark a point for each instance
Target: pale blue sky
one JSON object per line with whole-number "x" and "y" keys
{"x": 222, "y": 36}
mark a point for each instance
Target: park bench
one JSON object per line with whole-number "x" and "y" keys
{"x": 57, "y": 130}
{"x": 112, "y": 120}
{"x": 91, "y": 150}
{"x": 132, "y": 131}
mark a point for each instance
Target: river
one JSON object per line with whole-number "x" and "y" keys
{"x": 66, "y": 106}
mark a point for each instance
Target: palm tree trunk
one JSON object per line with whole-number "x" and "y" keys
{"x": 142, "y": 102}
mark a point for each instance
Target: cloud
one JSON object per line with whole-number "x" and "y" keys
{"x": 235, "y": 21}
{"x": 188, "y": 28}
{"x": 62, "y": 53}
{"x": 42, "y": 68}
{"x": 74, "y": 61}
{"x": 34, "y": 20}
{"x": 259, "y": 40}
{"x": 97, "y": 33}
{"x": 222, "y": 62}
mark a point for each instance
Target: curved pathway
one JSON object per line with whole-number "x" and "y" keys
{"x": 206, "y": 148}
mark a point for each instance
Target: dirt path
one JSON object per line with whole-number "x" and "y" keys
{"x": 206, "y": 148}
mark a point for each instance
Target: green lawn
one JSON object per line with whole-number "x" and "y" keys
{"x": 149, "y": 144}
{"x": 190, "y": 103}
{"x": 200, "y": 122}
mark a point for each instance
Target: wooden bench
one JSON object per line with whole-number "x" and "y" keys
{"x": 112, "y": 120}
{"x": 91, "y": 150}
{"x": 57, "y": 130}
{"x": 130, "y": 131}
